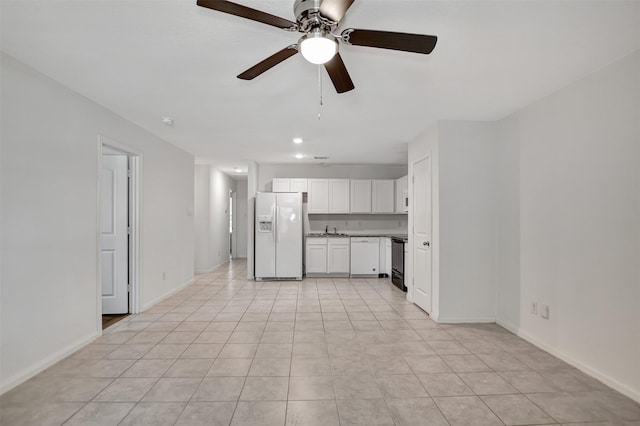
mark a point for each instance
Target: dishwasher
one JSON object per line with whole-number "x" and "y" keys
{"x": 365, "y": 257}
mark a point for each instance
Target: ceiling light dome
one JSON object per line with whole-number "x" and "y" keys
{"x": 318, "y": 47}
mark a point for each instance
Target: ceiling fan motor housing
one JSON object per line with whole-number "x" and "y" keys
{"x": 308, "y": 16}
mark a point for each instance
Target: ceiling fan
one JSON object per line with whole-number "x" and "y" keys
{"x": 318, "y": 20}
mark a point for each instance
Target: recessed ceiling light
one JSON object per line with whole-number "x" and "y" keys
{"x": 168, "y": 121}
{"x": 238, "y": 169}
{"x": 299, "y": 156}
{"x": 297, "y": 140}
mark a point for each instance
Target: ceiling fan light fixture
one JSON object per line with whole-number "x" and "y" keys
{"x": 318, "y": 47}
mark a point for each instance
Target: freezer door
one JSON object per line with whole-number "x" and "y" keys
{"x": 289, "y": 235}
{"x": 265, "y": 256}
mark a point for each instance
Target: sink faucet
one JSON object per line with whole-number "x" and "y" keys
{"x": 326, "y": 229}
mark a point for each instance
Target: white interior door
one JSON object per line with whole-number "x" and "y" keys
{"x": 113, "y": 241}
{"x": 421, "y": 201}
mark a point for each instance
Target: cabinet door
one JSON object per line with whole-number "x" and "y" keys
{"x": 338, "y": 258}
{"x": 360, "y": 195}
{"x": 298, "y": 185}
{"x": 338, "y": 195}
{"x": 388, "y": 256}
{"x": 399, "y": 195}
{"x": 318, "y": 196}
{"x": 382, "y": 196}
{"x": 383, "y": 255}
{"x": 316, "y": 259}
{"x": 405, "y": 193}
{"x": 280, "y": 185}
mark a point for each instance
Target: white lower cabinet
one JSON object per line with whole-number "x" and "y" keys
{"x": 338, "y": 255}
{"x": 385, "y": 255}
{"x": 328, "y": 256}
{"x": 316, "y": 258}
{"x": 385, "y": 250}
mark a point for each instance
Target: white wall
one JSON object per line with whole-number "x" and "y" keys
{"x": 338, "y": 171}
{"x": 202, "y": 193}
{"x": 467, "y": 221}
{"x": 253, "y": 176}
{"x": 544, "y": 206}
{"x": 464, "y": 218}
{"x": 211, "y": 217}
{"x": 49, "y": 226}
{"x": 580, "y": 222}
{"x": 241, "y": 218}
{"x": 507, "y": 225}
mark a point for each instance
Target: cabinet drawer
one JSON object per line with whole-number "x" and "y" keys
{"x": 339, "y": 241}
{"x": 316, "y": 241}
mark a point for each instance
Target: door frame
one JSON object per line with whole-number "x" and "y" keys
{"x": 233, "y": 218}
{"x": 134, "y": 254}
{"x": 412, "y": 256}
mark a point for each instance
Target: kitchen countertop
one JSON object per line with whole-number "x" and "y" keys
{"x": 346, "y": 235}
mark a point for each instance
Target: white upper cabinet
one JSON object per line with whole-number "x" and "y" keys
{"x": 382, "y": 200}
{"x": 288, "y": 185}
{"x": 298, "y": 185}
{"x": 360, "y": 195}
{"x": 339, "y": 196}
{"x": 281, "y": 185}
{"x": 343, "y": 196}
{"x": 318, "y": 196}
{"x": 402, "y": 194}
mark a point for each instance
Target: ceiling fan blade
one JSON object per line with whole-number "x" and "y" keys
{"x": 335, "y": 9}
{"x": 247, "y": 12}
{"x": 416, "y": 43}
{"x": 339, "y": 74}
{"x": 269, "y": 63}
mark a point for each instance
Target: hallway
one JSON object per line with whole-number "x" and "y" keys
{"x": 319, "y": 352}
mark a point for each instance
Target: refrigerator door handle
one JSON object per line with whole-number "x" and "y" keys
{"x": 275, "y": 223}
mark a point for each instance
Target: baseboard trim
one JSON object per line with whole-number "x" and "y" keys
{"x": 465, "y": 320}
{"x": 167, "y": 295}
{"x": 206, "y": 271}
{"x": 18, "y": 379}
{"x": 604, "y": 378}
{"x": 508, "y": 326}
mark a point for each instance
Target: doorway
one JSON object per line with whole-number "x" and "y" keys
{"x": 118, "y": 232}
{"x": 232, "y": 225}
{"x": 422, "y": 214}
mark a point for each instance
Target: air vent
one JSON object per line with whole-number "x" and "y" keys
{"x": 320, "y": 158}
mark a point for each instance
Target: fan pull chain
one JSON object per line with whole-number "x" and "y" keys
{"x": 320, "y": 89}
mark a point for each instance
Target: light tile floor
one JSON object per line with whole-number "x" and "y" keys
{"x": 321, "y": 352}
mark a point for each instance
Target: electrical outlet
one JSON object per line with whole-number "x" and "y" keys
{"x": 534, "y": 308}
{"x": 544, "y": 311}
{"x": 189, "y": 212}
{"x": 164, "y": 276}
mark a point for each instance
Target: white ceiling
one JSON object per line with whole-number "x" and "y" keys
{"x": 149, "y": 59}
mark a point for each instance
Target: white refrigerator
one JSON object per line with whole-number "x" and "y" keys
{"x": 278, "y": 236}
